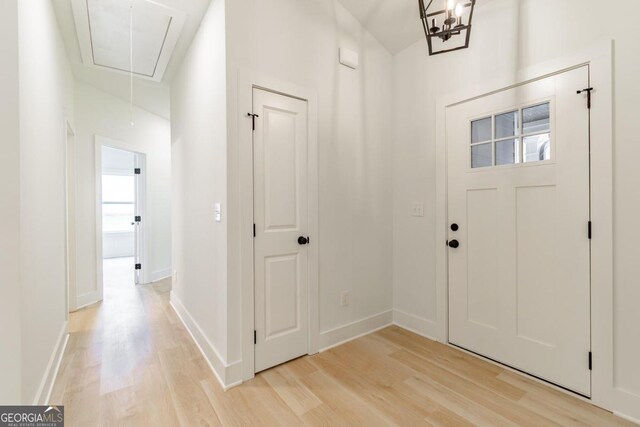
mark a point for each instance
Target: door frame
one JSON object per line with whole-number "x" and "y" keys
{"x": 247, "y": 81}
{"x": 101, "y": 141}
{"x": 599, "y": 57}
{"x": 70, "y": 250}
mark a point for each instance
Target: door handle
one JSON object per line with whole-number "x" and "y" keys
{"x": 454, "y": 244}
{"x": 303, "y": 240}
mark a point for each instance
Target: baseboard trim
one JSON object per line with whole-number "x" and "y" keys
{"x": 351, "y": 331}
{"x": 626, "y": 405}
{"x": 418, "y": 325}
{"x": 158, "y": 275}
{"x": 87, "y": 299}
{"x": 228, "y": 374}
{"x": 46, "y": 385}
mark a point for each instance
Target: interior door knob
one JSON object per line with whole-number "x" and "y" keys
{"x": 454, "y": 243}
{"x": 303, "y": 240}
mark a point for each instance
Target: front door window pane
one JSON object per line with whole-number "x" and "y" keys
{"x": 537, "y": 148}
{"x": 481, "y": 130}
{"x": 507, "y": 125}
{"x": 481, "y": 155}
{"x": 507, "y": 152}
{"x": 535, "y": 119}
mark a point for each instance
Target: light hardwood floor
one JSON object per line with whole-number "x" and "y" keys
{"x": 129, "y": 361}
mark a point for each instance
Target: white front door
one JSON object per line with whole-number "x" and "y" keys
{"x": 281, "y": 222}
{"x": 518, "y": 209}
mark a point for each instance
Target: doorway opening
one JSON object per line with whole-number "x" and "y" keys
{"x": 122, "y": 210}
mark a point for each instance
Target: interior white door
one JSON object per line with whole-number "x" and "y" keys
{"x": 519, "y": 258}
{"x": 137, "y": 223}
{"x": 281, "y": 221}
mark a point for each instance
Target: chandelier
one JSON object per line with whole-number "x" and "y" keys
{"x": 448, "y": 29}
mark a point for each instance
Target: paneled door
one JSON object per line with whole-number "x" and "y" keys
{"x": 519, "y": 212}
{"x": 281, "y": 221}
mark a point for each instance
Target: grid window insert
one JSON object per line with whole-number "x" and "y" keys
{"x": 519, "y": 136}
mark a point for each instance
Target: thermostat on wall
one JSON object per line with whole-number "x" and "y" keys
{"x": 349, "y": 58}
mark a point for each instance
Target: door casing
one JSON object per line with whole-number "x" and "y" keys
{"x": 247, "y": 81}
{"x": 600, "y": 60}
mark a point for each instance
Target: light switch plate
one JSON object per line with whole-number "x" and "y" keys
{"x": 417, "y": 209}
{"x": 217, "y": 212}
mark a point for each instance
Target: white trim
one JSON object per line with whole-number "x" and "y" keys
{"x": 600, "y": 60}
{"x": 158, "y": 275}
{"x": 247, "y": 81}
{"x": 418, "y": 325}
{"x": 627, "y": 417}
{"x": 228, "y": 374}
{"x": 48, "y": 379}
{"x": 87, "y": 299}
{"x": 101, "y": 141}
{"x": 81, "y": 19}
{"x": 354, "y": 330}
{"x": 71, "y": 303}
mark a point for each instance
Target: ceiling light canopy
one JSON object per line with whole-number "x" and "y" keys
{"x": 449, "y": 28}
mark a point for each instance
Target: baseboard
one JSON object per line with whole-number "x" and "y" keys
{"x": 342, "y": 334}
{"x": 46, "y": 385}
{"x": 158, "y": 275}
{"x": 87, "y": 299}
{"x": 228, "y": 374}
{"x": 627, "y": 405}
{"x": 418, "y": 325}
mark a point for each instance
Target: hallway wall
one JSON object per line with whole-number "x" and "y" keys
{"x": 46, "y": 98}
{"x": 509, "y": 35}
{"x": 298, "y": 42}
{"x": 199, "y": 150}
{"x": 99, "y": 113}
{"x": 9, "y": 205}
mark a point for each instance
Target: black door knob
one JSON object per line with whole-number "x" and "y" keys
{"x": 454, "y": 227}
{"x": 303, "y": 240}
{"x": 454, "y": 244}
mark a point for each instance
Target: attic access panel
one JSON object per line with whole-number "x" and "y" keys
{"x": 105, "y": 30}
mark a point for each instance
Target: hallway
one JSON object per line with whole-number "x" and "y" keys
{"x": 130, "y": 361}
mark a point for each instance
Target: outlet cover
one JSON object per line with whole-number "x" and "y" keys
{"x": 344, "y": 298}
{"x": 417, "y": 209}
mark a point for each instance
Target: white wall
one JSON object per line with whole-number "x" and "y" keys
{"x": 199, "y": 152}
{"x": 46, "y": 96}
{"x": 98, "y": 113}
{"x": 509, "y": 35}
{"x": 9, "y": 206}
{"x": 298, "y": 42}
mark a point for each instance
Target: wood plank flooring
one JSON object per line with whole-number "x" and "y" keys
{"x": 130, "y": 361}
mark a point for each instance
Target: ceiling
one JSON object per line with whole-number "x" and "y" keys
{"x": 98, "y": 45}
{"x": 394, "y": 23}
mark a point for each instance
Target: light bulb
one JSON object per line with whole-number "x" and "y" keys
{"x": 459, "y": 10}
{"x": 451, "y": 4}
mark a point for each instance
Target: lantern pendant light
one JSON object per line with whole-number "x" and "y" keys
{"x": 447, "y": 29}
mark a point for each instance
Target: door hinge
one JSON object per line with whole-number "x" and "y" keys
{"x": 253, "y": 120}
{"x": 255, "y": 337}
{"x": 589, "y": 230}
{"x": 588, "y": 90}
{"x": 590, "y": 361}
{"x": 254, "y": 230}
{"x": 138, "y": 266}
{"x": 136, "y": 171}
